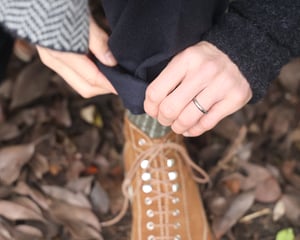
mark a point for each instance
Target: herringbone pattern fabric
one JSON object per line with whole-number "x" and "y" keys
{"x": 59, "y": 24}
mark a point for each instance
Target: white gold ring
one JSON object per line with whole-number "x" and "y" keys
{"x": 199, "y": 106}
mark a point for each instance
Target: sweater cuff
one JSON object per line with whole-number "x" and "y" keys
{"x": 62, "y": 25}
{"x": 252, "y": 50}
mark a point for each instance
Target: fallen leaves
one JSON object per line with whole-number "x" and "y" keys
{"x": 66, "y": 185}
{"x": 238, "y": 207}
{"x": 12, "y": 159}
{"x": 50, "y": 187}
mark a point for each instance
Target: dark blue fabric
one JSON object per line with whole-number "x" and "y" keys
{"x": 6, "y": 47}
{"x": 131, "y": 89}
{"x": 146, "y": 34}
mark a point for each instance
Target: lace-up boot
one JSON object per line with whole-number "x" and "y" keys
{"x": 160, "y": 185}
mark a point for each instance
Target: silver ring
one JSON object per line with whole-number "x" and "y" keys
{"x": 199, "y": 106}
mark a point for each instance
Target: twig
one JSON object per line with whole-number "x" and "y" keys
{"x": 251, "y": 216}
{"x": 231, "y": 152}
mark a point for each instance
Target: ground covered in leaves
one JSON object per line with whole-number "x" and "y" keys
{"x": 61, "y": 162}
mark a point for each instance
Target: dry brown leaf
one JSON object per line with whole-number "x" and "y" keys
{"x": 39, "y": 165}
{"x": 60, "y": 113}
{"x": 279, "y": 210}
{"x": 12, "y": 159}
{"x": 292, "y": 207}
{"x": 26, "y": 229}
{"x": 63, "y": 212}
{"x": 255, "y": 175}
{"x": 8, "y": 131}
{"x": 6, "y": 231}
{"x": 88, "y": 148}
{"x": 23, "y": 189}
{"x": 6, "y": 89}
{"x": 80, "y": 230}
{"x": 77, "y": 199}
{"x": 279, "y": 124}
{"x": 27, "y": 203}
{"x": 76, "y": 168}
{"x": 268, "y": 191}
{"x": 238, "y": 207}
{"x": 289, "y": 75}
{"x": 31, "y": 84}
{"x": 14, "y": 211}
{"x": 289, "y": 169}
{"x": 217, "y": 204}
{"x": 227, "y": 128}
{"x": 99, "y": 198}
{"x": 83, "y": 184}
{"x": 233, "y": 182}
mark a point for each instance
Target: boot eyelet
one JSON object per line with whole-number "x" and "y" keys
{"x": 150, "y": 213}
{"x": 177, "y": 237}
{"x": 175, "y": 187}
{"x": 177, "y": 225}
{"x": 147, "y": 188}
{"x": 176, "y": 213}
{"x": 175, "y": 200}
{"x": 144, "y": 164}
{"x": 172, "y": 176}
{"x": 142, "y": 142}
{"x": 170, "y": 162}
{"x": 148, "y": 201}
{"x": 150, "y": 226}
{"x": 146, "y": 176}
{"x": 151, "y": 237}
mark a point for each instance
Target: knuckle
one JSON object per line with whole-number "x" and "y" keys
{"x": 195, "y": 132}
{"x": 92, "y": 80}
{"x": 151, "y": 94}
{"x": 241, "y": 96}
{"x": 187, "y": 54}
{"x": 168, "y": 110}
{"x": 183, "y": 122}
{"x": 206, "y": 123}
{"x": 211, "y": 66}
{"x": 176, "y": 129}
{"x": 150, "y": 110}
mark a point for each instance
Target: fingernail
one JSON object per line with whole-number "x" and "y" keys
{"x": 110, "y": 59}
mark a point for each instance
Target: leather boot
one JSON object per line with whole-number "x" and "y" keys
{"x": 160, "y": 183}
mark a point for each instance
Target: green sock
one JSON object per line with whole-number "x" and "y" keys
{"x": 148, "y": 125}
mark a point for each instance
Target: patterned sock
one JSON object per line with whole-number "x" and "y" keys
{"x": 148, "y": 125}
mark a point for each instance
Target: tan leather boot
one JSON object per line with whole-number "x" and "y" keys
{"x": 160, "y": 184}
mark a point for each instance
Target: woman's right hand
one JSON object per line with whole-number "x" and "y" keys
{"x": 78, "y": 70}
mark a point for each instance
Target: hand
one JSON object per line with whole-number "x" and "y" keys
{"x": 78, "y": 70}
{"x": 202, "y": 72}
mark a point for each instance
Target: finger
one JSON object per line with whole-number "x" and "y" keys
{"x": 165, "y": 83}
{"x": 191, "y": 114}
{"x": 70, "y": 76}
{"x": 80, "y": 64}
{"x": 80, "y": 85}
{"x": 208, "y": 121}
{"x": 98, "y": 44}
{"x": 194, "y": 83}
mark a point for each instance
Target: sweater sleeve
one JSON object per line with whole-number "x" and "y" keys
{"x": 58, "y": 24}
{"x": 260, "y": 37}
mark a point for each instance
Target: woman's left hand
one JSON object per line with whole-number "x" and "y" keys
{"x": 202, "y": 73}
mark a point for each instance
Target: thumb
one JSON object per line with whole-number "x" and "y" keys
{"x": 98, "y": 44}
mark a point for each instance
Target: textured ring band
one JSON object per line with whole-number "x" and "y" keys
{"x": 199, "y": 106}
